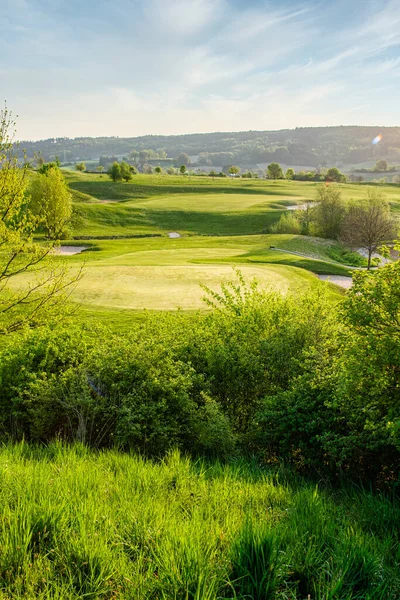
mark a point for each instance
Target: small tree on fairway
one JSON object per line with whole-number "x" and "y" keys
{"x": 368, "y": 224}
{"x": 52, "y": 202}
{"x": 100, "y": 168}
{"x": 183, "y": 169}
{"x": 114, "y": 172}
{"x": 158, "y": 170}
{"x": 80, "y": 166}
{"x": 275, "y": 171}
{"x": 289, "y": 174}
{"x": 126, "y": 172}
{"x": 234, "y": 170}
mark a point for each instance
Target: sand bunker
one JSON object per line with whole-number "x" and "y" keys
{"x": 341, "y": 280}
{"x": 174, "y": 234}
{"x": 302, "y": 206}
{"x": 69, "y": 250}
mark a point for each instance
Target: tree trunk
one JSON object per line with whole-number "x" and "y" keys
{"x": 369, "y": 259}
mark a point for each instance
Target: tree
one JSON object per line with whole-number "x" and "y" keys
{"x": 144, "y": 156}
{"x": 114, "y": 172}
{"x": 275, "y": 171}
{"x": 328, "y": 215}
{"x": 126, "y": 172}
{"x": 51, "y": 202}
{"x": 369, "y": 223}
{"x": 46, "y": 288}
{"x": 381, "y": 166}
{"x": 100, "y": 168}
{"x": 182, "y": 159}
{"x": 369, "y": 392}
{"x": 158, "y": 170}
{"x": 333, "y": 174}
{"x": 234, "y": 170}
{"x": 133, "y": 156}
{"x": 183, "y": 169}
{"x": 289, "y": 174}
{"x": 80, "y": 166}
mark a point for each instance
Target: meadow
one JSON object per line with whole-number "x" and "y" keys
{"x": 80, "y": 524}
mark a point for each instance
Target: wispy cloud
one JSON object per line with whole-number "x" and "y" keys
{"x": 132, "y": 67}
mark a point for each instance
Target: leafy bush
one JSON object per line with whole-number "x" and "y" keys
{"x": 292, "y": 379}
{"x": 346, "y": 257}
{"x": 288, "y": 223}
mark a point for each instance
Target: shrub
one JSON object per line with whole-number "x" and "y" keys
{"x": 288, "y": 223}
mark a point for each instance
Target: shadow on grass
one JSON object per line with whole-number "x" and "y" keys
{"x": 125, "y": 219}
{"x": 106, "y": 190}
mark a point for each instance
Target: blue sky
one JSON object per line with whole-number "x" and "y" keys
{"x": 132, "y": 67}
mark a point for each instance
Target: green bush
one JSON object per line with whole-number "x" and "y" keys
{"x": 288, "y": 223}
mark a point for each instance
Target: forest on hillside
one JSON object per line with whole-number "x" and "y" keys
{"x": 310, "y": 146}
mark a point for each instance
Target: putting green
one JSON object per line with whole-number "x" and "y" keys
{"x": 174, "y": 287}
{"x": 176, "y": 256}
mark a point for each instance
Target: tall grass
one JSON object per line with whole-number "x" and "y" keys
{"x": 76, "y": 524}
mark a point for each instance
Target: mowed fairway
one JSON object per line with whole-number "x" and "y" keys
{"x": 173, "y": 287}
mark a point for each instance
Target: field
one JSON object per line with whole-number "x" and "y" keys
{"x": 76, "y": 524}
{"x": 132, "y": 264}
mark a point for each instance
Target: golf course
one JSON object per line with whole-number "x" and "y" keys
{"x": 151, "y": 243}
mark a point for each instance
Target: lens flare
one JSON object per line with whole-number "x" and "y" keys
{"x": 377, "y": 139}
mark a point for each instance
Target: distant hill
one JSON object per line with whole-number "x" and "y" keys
{"x": 312, "y": 146}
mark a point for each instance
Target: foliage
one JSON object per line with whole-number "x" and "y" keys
{"x": 288, "y": 223}
{"x": 182, "y": 159}
{"x": 368, "y": 224}
{"x": 51, "y": 202}
{"x": 80, "y": 166}
{"x": 233, "y": 170}
{"x": 126, "y": 171}
{"x": 289, "y": 174}
{"x": 103, "y": 394}
{"x": 274, "y": 171}
{"x": 312, "y": 146}
{"x": 334, "y": 175}
{"x": 290, "y": 378}
{"x": 343, "y": 255}
{"x": 114, "y": 172}
{"x": 329, "y": 213}
{"x": 46, "y": 293}
{"x": 344, "y": 415}
{"x": 381, "y": 166}
{"x": 370, "y": 366}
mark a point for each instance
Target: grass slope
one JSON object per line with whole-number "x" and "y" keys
{"x": 75, "y": 525}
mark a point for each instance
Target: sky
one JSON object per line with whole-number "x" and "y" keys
{"x": 135, "y": 67}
